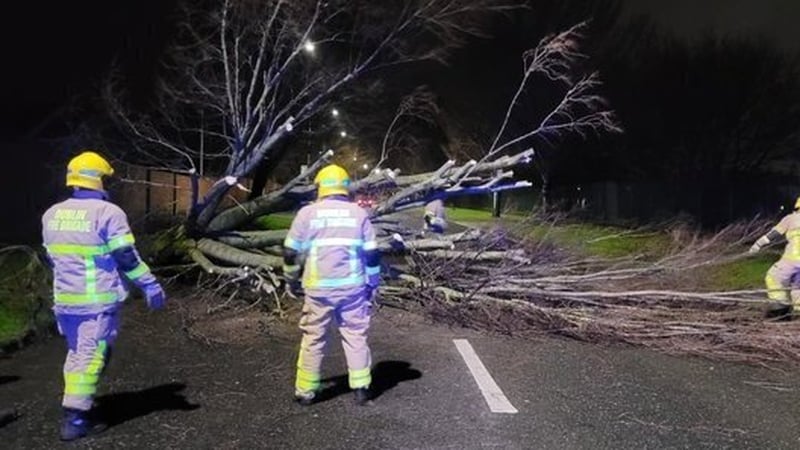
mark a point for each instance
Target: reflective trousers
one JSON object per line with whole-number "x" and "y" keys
{"x": 352, "y": 316}
{"x": 89, "y": 340}
{"x": 781, "y": 283}
{"x": 435, "y": 224}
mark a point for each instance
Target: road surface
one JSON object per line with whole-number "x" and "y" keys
{"x": 164, "y": 390}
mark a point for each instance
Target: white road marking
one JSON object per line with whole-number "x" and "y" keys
{"x": 498, "y": 403}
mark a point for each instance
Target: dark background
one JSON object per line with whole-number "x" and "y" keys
{"x": 684, "y": 76}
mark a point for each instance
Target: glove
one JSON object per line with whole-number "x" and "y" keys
{"x": 155, "y": 296}
{"x": 754, "y": 249}
{"x": 294, "y": 288}
{"x": 374, "y": 298}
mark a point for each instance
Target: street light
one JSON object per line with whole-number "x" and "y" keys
{"x": 335, "y": 112}
{"x": 309, "y": 47}
{"x": 343, "y": 134}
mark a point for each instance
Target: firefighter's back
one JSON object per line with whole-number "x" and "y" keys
{"x": 790, "y": 227}
{"x": 335, "y": 242}
{"x": 74, "y": 233}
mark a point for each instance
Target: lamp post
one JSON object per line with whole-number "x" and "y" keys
{"x": 496, "y": 201}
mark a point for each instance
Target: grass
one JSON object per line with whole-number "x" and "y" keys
{"x": 24, "y": 295}
{"x": 602, "y": 241}
{"x": 743, "y": 274}
{"x": 585, "y": 238}
{"x": 277, "y": 221}
{"x": 475, "y": 215}
{"x": 14, "y": 320}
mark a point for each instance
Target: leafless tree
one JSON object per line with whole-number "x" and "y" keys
{"x": 245, "y": 77}
{"x": 419, "y": 106}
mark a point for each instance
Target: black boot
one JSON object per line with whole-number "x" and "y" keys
{"x": 77, "y": 424}
{"x": 305, "y": 398}
{"x": 362, "y": 396}
{"x": 778, "y": 311}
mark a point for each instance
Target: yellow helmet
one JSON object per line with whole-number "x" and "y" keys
{"x": 87, "y": 171}
{"x": 332, "y": 180}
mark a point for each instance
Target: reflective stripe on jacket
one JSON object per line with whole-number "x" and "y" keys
{"x": 80, "y": 235}
{"x": 789, "y": 226}
{"x": 333, "y": 234}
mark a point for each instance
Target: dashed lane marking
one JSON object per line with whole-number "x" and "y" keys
{"x": 497, "y": 401}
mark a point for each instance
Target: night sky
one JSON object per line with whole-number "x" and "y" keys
{"x": 776, "y": 20}
{"x": 54, "y": 51}
{"x": 57, "y": 51}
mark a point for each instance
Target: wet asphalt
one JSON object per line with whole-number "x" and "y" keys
{"x": 164, "y": 390}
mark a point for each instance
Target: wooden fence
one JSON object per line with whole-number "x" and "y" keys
{"x": 144, "y": 192}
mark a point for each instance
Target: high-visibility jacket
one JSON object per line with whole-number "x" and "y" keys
{"x": 435, "y": 216}
{"x": 89, "y": 242}
{"x": 789, "y": 226}
{"x": 336, "y": 239}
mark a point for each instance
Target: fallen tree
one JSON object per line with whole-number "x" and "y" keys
{"x": 629, "y": 299}
{"x": 245, "y": 79}
{"x": 248, "y": 78}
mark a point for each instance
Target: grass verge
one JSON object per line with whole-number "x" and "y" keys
{"x": 601, "y": 241}
{"x": 743, "y": 274}
{"x": 277, "y": 221}
{"x": 24, "y": 296}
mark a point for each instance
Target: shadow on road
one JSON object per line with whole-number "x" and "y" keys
{"x": 8, "y": 379}
{"x": 8, "y": 415}
{"x": 385, "y": 375}
{"x": 118, "y": 408}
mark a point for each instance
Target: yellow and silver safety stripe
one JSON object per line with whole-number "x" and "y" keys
{"x": 90, "y": 269}
{"x": 126, "y": 240}
{"x": 312, "y": 277}
{"x": 353, "y": 255}
{"x": 305, "y": 381}
{"x": 77, "y": 250}
{"x": 140, "y": 270}
{"x": 356, "y": 277}
{"x": 359, "y": 378}
{"x": 85, "y": 383}
{"x": 333, "y": 242}
{"x": 294, "y": 244}
{"x": 292, "y": 269}
{"x": 88, "y": 253}
{"x": 353, "y": 280}
{"x": 793, "y": 247}
{"x": 334, "y": 182}
{"x": 329, "y": 242}
{"x": 85, "y": 299}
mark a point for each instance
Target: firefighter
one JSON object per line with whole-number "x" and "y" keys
{"x": 90, "y": 247}
{"x": 781, "y": 291}
{"x": 331, "y": 244}
{"x": 435, "y": 220}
